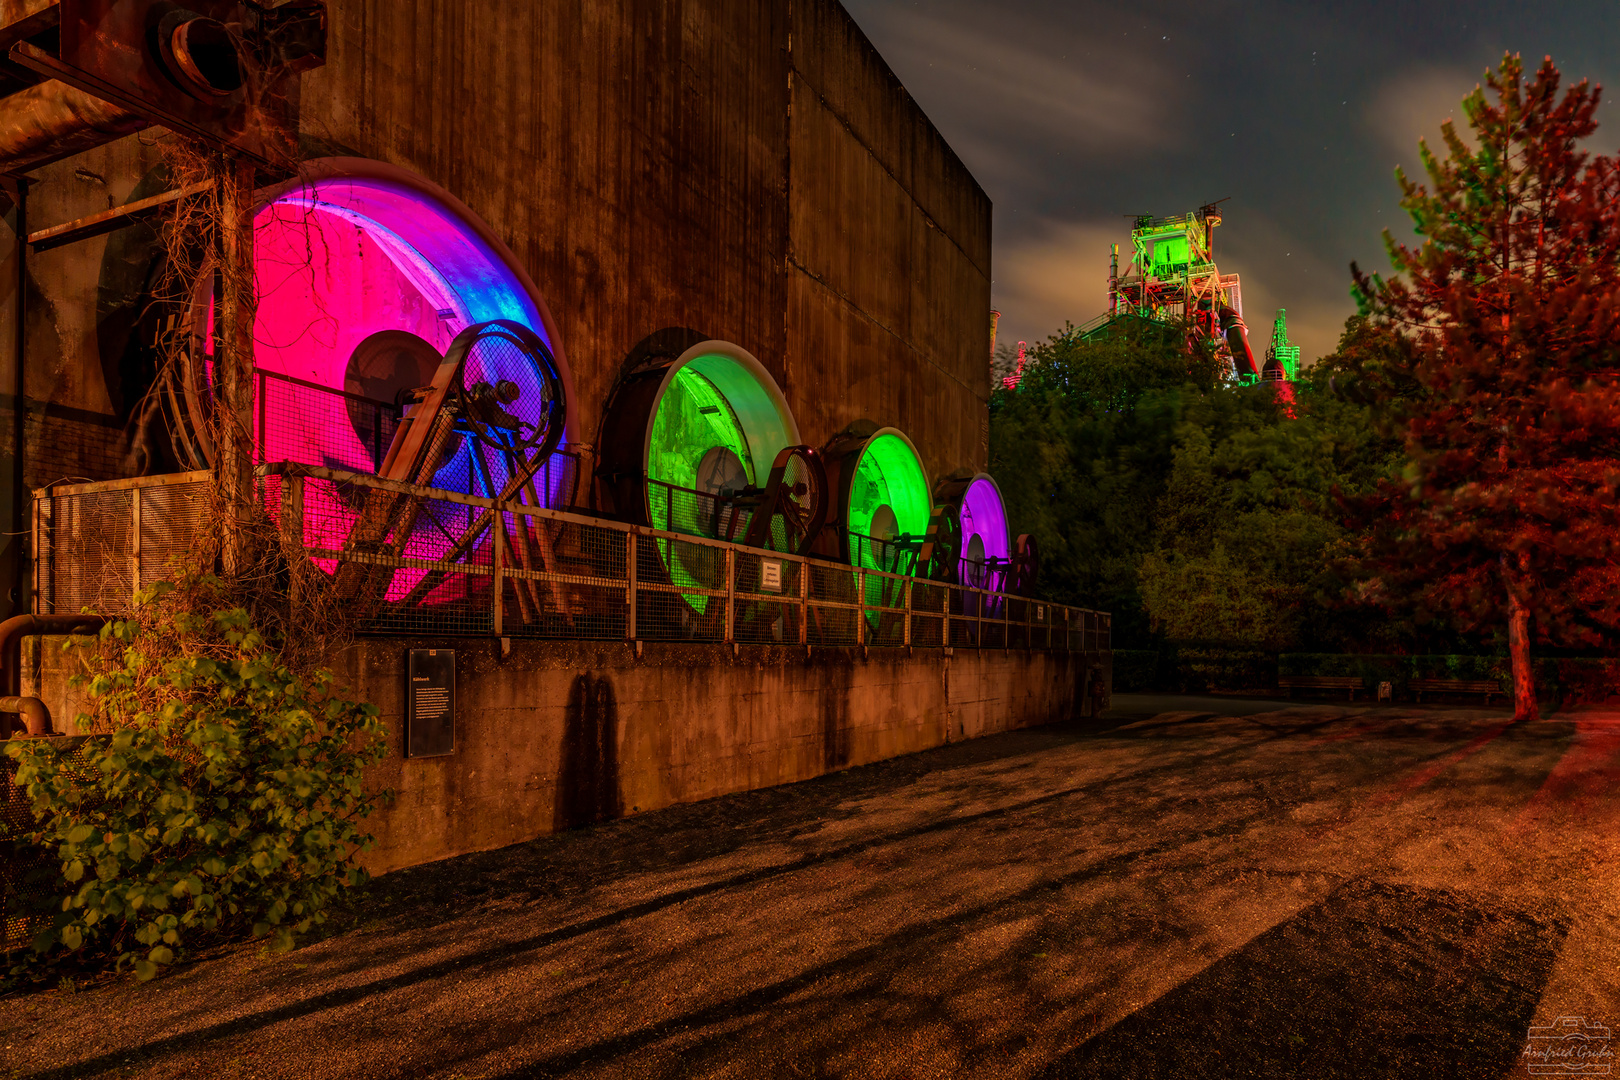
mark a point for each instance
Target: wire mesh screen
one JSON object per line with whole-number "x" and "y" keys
{"x": 1017, "y": 629}
{"x": 885, "y": 608}
{"x": 834, "y": 610}
{"x": 681, "y": 590}
{"x": 890, "y": 556}
{"x": 86, "y": 544}
{"x": 318, "y": 425}
{"x": 85, "y": 559}
{"x": 929, "y": 605}
{"x": 30, "y": 876}
{"x": 766, "y": 594}
{"x": 1040, "y": 627}
{"x": 171, "y": 516}
{"x": 311, "y": 424}
{"x": 402, "y": 562}
{"x": 563, "y": 579}
{"x": 697, "y": 513}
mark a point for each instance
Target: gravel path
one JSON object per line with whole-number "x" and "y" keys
{"x": 1311, "y": 890}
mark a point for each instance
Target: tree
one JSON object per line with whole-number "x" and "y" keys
{"x": 1081, "y": 451}
{"x": 1506, "y": 377}
{"x": 1247, "y": 530}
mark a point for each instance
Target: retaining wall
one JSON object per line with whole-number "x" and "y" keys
{"x": 552, "y": 735}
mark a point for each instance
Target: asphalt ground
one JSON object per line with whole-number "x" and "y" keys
{"x": 1212, "y": 891}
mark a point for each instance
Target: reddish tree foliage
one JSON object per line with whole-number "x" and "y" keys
{"x": 1508, "y": 316}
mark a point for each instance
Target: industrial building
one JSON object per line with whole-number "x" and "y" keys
{"x": 745, "y": 286}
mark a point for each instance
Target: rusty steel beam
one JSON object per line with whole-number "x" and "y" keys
{"x": 109, "y": 220}
{"x": 21, "y": 19}
{"x": 53, "y": 120}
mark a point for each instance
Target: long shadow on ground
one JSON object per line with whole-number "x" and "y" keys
{"x": 1449, "y": 986}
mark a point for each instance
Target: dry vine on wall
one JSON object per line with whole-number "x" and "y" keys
{"x": 206, "y": 385}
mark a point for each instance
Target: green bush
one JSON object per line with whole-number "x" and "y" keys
{"x": 225, "y": 794}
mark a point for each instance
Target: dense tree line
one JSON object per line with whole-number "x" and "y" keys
{"x": 1194, "y": 508}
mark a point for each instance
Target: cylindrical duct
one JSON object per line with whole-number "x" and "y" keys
{"x": 53, "y": 120}
{"x": 983, "y": 547}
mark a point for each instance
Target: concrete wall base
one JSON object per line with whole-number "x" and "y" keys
{"x": 552, "y": 735}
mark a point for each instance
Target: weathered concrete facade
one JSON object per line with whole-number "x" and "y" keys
{"x": 752, "y": 172}
{"x": 557, "y": 735}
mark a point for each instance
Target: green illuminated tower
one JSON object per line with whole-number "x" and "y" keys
{"x": 1172, "y": 278}
{"x": 1282, "y": 359}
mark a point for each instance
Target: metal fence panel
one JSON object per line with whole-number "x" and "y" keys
{"x": 765, "y": 589}
{"x": 833, "y": 617}
{"x": 680, "y": 590}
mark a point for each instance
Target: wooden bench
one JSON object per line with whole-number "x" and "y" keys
{"x": 1351, "y": 683}
{"x": 1488, "y": 687}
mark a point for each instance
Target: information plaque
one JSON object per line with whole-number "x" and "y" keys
{"x": 430, "y": 703}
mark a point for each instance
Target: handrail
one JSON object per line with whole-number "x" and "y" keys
{"x": 891, "y": 607}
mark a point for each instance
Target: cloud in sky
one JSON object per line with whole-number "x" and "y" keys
{"x": 1013, "y": 93}
{"x": 1412, "y": 105}
{"x": 1057, "y": 273}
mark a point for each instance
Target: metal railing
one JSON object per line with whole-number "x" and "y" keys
{"x": 443, "y": 562}
{"x": 321, "y": 425}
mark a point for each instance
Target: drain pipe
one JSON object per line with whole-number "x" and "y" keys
{"x": 14, "y": 629}
{"x": 52, "y": 120}
{"x": 36, "y": 717}
{"x": 19, "y": 412}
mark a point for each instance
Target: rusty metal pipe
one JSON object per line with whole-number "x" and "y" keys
{"x": 14, "y": 629}
{"x": 52, "y": 120}
{"x": 35, "y": 716}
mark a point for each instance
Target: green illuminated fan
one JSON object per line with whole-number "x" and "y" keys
{"x": 884, "y": 508}
{"x": 684, "y": 445}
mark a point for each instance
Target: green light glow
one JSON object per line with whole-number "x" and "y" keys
{"x": 693, "y": 418}
{"x": 888, "y": 477}
{"x": 1170, "y": 256}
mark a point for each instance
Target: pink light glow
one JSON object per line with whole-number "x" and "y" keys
{"x": 337, "y": 262}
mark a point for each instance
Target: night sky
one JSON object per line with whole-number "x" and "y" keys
{"x": 1074, "y": 115}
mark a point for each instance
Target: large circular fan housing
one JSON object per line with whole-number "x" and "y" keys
{"x": 366, "y": 273}
{"x": 710, "y": 420}
{"x": 883, "y": 497}
{"x": 681, "y": 431}
{"x": 982, "y": 544}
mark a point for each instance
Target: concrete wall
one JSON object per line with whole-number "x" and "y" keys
{"x": 561, "y": 734}
{"x": 749, "y": 171}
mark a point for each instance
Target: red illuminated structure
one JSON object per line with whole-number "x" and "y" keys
{"x": 1010, "y": 382}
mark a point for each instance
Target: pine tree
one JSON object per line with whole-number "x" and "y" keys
{"x": 1509, "y": 508}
